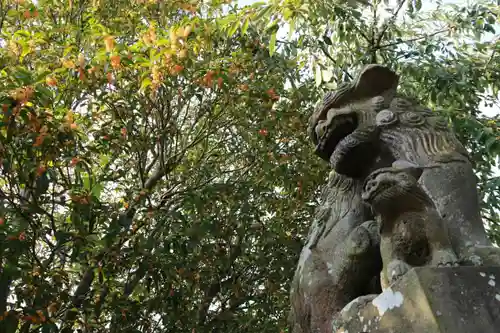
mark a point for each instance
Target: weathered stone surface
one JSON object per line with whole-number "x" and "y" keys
{"x": 429, "y": 218}
{"x": 341, "y": 259}
{"x": 421, "y": 137}
{"x": 342, "y": 242}
{"x": 429, "y": 300}
{"x": 412, "y": 233}
{"x": 365, "y": 120}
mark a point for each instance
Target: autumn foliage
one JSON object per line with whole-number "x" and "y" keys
{"x": 136, "y": 184}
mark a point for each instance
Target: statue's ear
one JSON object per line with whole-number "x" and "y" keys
{"x": 375, "y": 80}
{"x": 412, "y": 169}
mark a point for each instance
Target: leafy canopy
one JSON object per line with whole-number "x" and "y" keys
{"x": 156, "y": 174}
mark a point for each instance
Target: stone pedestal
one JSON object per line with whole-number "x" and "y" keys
{"x": 429, "y": 300}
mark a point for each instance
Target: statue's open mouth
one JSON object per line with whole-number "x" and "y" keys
{"x": 348, "y": 147}
{"x": 379, "y": 193}
{"x": 339, "y": 127}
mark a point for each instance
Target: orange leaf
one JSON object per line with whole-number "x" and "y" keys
{"x": 81, "y": 60}
{"x": 2, "y": 221}
{"x": 220, "y": 82}
{"x": 39, "y": 140}
{"x": 81, "y": 74}
{"x": 74, "y": 161}
{"x": 40, "y": 170}
{"x": 51, "y": 81}
{"x": 22, "y": 95}
{"x": 109, "y": 43}
{"x": 69, "y": 117}
{"x": 123, "y": 131}
{"x": 152, "y": 34}
{"x": 168, "y": 58}
{"x": 272, "y": 94}
{"x": 187, "y": 31}
{"x": 208, "y": 79}
{"x": 52, "y": 308}
{"x": 92, "y": 70}
{"x": 115, "y": 61}
{"x": 22, "y": 236}
{"x": 182, "y": 54}
{"x": 109, "y": 76}
{"x": 68, "y": 63}
{"x": 178, "y": 68}
{"x": 173, "y": 37}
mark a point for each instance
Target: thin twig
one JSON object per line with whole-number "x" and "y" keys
{"x": 411, "y": 40}
{"x": 325, "y": 52}
{"x": 391, "y": 20}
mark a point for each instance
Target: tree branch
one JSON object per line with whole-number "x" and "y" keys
{"x": 389, "y": 21}
{"x": 217, "y": 286}
{"x": 325, "y": 52}
{"x": 413, "y": 39}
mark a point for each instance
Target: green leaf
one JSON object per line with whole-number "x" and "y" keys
{"x": 291, "y": 29}
{"x": 264, "y": 12}
{"x": 233, "y": 28}
{"x": 244, "y": 28}
{"x": 103, "y": 160}
{"x": 22, "y": 75}
{"x": 146, "y": 82}
{"x": 258, "y": 4}
{"x": 287, "y": 13}
{"x": 410, "y": 8}
{"x": 22, "y": 33}
{"x": 492, "y": 145}
{"x": 272, "y": 44}
{"x": 318, "y": 76}
{"x": 67, "y": 50}
{"x": 96, "y": 190}
{"x": 418, "y": 4}
{"x": 326, "y": 75}
{"x": 12, "y": 13}
{"x": 86, "y": 181}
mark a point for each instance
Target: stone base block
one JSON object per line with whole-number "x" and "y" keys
{"x": 429, "y": 300}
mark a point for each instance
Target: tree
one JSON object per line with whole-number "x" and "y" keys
{"x": 144, "y": 146}
{"x": 156, "y": 174}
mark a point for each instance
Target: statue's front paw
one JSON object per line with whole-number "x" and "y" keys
{"x": 444, "y": 258}
{"x": 358, "y": 242}
{"x": 473, "y": 260}
{"x": 373, "y": 228}
{"x": 483, "y": 256}
{"x": 396, "y": 269}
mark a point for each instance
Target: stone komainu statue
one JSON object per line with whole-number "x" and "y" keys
{"x": 369, "y": 135}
